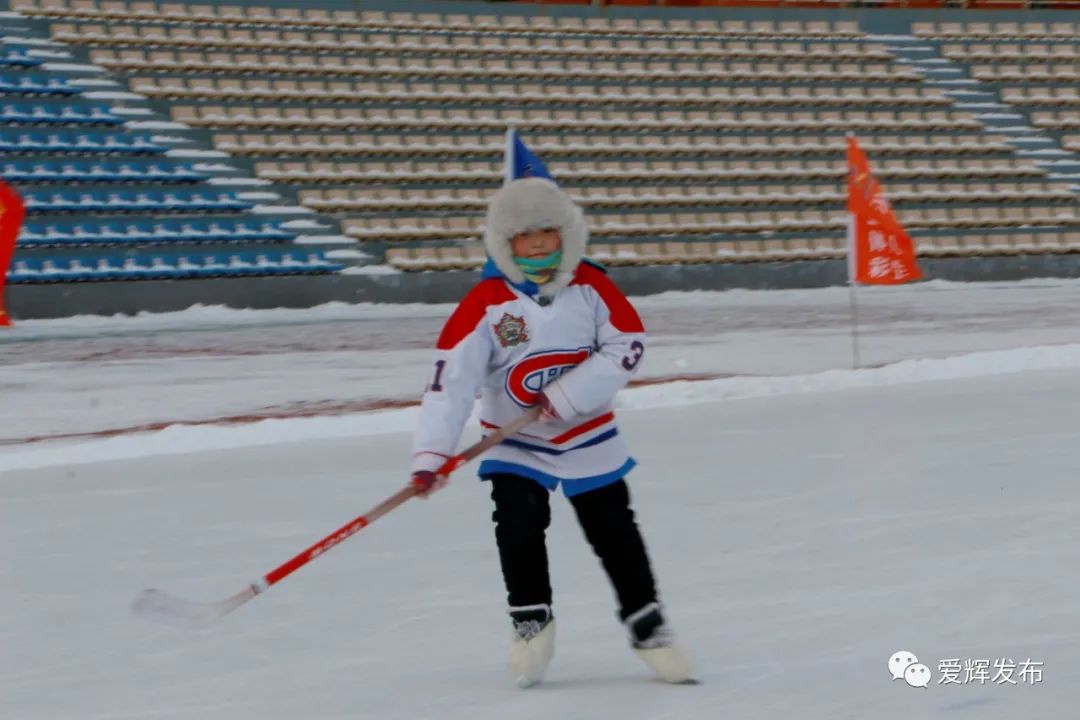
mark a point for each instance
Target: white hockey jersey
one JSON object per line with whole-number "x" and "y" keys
{"x": 502, "y": 344}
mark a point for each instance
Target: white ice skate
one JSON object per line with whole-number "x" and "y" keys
{"x": 654, "y": 643}
{"x": 532, "y": 643}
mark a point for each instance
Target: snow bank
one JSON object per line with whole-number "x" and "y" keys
{"x": 259, "y": 195}
{"x": 303, "y": 225}
{"x": 281, "y": 210}
{"x": 325, "y": 240}
{"x": 209, "y": 317}
{"x": 72, "y": 67}
{"x": 111, "y": 95}
{"x": 157, "y": 125}
{"x": 347, "y": 254}
{"x": 371, "y": 270}
{"x": 974, "y": 365}
{"x": 92, "y": 82}
{"x": 180, "y": 439}
{"x": 131, "y": 111}
{"x": 29, "y": 40}
{"x": 214, "y": 167}
{"x": 196, "y": 154}
{"x": 169, "y": 139}
{"x": 238, "y": 182}
{"x": 218, "y": 316}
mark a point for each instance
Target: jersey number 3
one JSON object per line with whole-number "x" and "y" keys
{"x": 631, "y": 360}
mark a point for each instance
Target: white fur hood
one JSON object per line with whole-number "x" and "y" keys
{"x": 535, "y": 204}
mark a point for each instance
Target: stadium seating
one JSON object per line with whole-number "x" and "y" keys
{"x": 689, "y": 140}
{"x": 31, "y": 84}
{"x": 94, "y": 184}
{"x": 133, "y": 170}
{"x": 34, "y": 140}
{"x": 160, "y": 201}
{"x": 149, "y": 232}
{"x": 30, "y": 114}
{"x": 17, "y": 57}
{"x": 168, "y": 267}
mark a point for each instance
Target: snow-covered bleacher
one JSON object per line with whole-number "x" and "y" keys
{"x": 58, "y": 233}
{"x": 692, "y": 140}
{"x": 105, "y": 188}
{"x": 167, "y": 266}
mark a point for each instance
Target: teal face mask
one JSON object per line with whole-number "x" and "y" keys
{"x": 539, "y": 270}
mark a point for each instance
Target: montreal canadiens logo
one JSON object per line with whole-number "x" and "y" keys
{"x": 527, "y": 378}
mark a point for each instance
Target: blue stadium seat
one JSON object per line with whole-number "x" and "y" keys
{"x": 53, "y": 235}
{"x": 52, "y": 270}
{"x": 261, "y": 231}
{"x": 282, "y": 263}
{"x": 138, "y": 269}
{"x": 173, "y": 173}
{"x": 318, "y": 263}
{"x": 21, "y": 171}
{"x": 255, "y": 264}
{"x": 97, "y": 114}
{"x": 158, "y": 266}
{"x": 148, "y": 232}
{"x": 165, "y": 268}
{"x": 185, "y": 268}
{"x": 136, "y": 232}
{"x": 18, "y": 57}
{"x": 134, "y": 201}
{"x": 242, "y": 231}
{"x": 108, "y": 268}
{"x": 26, "y": 84}
{"x": 14, "y": 112}
{"x": 240, "y": 264}
{"x": 80, "y": 272}
{"x": 212, "y": 266}
{"x": 45, "y": 140}
{"x": 23, "y": 271}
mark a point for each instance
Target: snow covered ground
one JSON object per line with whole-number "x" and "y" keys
{"x": 805, "y": 523}
{"x": 89, "y": 374}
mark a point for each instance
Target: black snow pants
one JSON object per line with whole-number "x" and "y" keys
{"x": 522, "y": 515}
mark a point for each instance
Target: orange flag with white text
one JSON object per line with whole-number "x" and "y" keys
{"x": 880, "y": 251}
{"x": 11, "y": 217}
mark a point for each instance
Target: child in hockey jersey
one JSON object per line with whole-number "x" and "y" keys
{"x": 546, "y": 327}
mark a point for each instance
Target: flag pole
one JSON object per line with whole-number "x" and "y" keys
{"x": 855, "y": 362}
{"x": 851, "y": 265}
{"x": 853, "y": 295}
{"x": 508, "y": 154}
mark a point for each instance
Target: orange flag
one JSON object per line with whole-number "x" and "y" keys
{"x": 880, "y": 252}
{"x": 11, "y": 217}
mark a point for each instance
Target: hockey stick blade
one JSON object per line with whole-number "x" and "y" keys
{"x": 162, "y": 607}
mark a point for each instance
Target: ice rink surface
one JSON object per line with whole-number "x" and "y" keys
{"x": 800, "y": 536}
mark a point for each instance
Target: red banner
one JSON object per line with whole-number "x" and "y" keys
{"x": 11, "y": 217}
{"x": 881, "y": 251}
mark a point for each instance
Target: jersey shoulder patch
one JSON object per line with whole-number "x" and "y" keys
{"x": 471, "y": 310}
{"x": 623, "y": 315}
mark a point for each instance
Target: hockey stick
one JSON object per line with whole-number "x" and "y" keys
{"x": 163, "y": 607}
